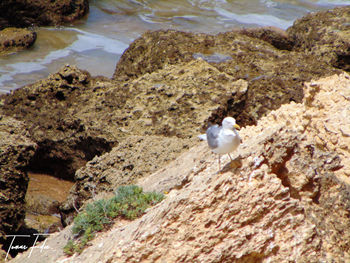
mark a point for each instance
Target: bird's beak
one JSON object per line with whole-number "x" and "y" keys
{"x": 237, "y": 126}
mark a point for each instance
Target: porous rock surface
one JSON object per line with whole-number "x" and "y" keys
{"x": 14, "y": 39}
{"x": 273, "y": 62}
{"x": 74, "y": 117}
{"x": 167, "y": 84}
{"x": 47, "y": 109}
{"x": 124, "y": 164}
{"x": 284, "y": 199}
{"x": 325, "y": 35}
{"x": 26, "y": 13}
{"x": 16, "y": 149}
{"x": 274, "y": 76}
{"x": 169, "y": 107}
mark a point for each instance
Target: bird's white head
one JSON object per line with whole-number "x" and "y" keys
{"x": 230, "y": 123}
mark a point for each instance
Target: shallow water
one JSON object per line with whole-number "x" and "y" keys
{"x": 97, "y": 42}
{"x": 50, "y": 186}
{"x": 43, "y": 190}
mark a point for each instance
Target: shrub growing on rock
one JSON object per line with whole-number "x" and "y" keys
{"x": 129, "y": 202}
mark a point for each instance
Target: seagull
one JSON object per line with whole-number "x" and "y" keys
{"x": 222, "y": 139}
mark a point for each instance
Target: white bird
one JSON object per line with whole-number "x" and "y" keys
{"x": 223, "y": 139}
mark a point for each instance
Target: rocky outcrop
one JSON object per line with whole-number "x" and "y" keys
{"x": 325, "y": 35}
{"x": 73, "y": 117}
{"x": 124, "y": 164}
{"x": 275, "y": 36}
{"x": 24, "y": 13}
{"x": 168, "y": 107}
{"x": 14, "y": 39}
{"x": 169, "y": 85}
{"x": 16, "y": 149}
{"x": 275, "y": 76}
{"x": 284, "y": 198}
{"x": 64, "y": 143}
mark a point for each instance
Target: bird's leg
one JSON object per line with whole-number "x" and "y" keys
{"x": 230, "y": 156}
{"x": 219, "y": 162}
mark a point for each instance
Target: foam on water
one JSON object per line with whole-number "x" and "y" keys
{"x": 254, "y": 19}
{"x": 332, "y": 3}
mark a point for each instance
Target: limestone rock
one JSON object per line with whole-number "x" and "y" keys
{"x": 275, "y": 75}
{"x": 74, "y": 117}
{"x": 24, "y": 13}
{"x": 124, "y": 164}
{"x": 13, "y": 39}
{"x": 16, "y": 149}
{"x": 284, "y": 198}
{"x": 291, "y": 177}
{"x": 64, "y": 142}
{"x": 326, "y": 35}
{"x": 176, "y": 82}
{"x": 275, "y": 36}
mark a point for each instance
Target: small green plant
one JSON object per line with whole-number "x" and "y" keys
{"x": 129, "y": 202}
{"x": 69, "y": 248}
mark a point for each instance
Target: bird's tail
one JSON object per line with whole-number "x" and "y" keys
{"x": 202, "y": 137}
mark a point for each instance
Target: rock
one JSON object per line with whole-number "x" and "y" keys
{"x": 288, "y": 192}
{"x": 165, "y": 106}
{"x": 284, "y": 198}
{"x": 16, "y": 149}
{"x": 14, "y": 39}
{"x": 64, "y": 142}
{"x": 274, "y": 76}
{"x": 41, "y": 204}
{"x": 273, "y": 35}
{"x": 130, "y": 160}
{"x": 179, "y": 100}
{"x": 23, "y": 13}
{"x": 73, "y": 117}
{"x": 325, "y": 35}
{"x": 202, "y": 78}
{"x": 43, "y": 223}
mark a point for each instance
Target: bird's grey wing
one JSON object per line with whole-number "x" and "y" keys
{"x": 212, "y": 136}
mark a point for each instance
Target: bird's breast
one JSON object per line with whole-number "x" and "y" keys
{"x": 228, "y": 142}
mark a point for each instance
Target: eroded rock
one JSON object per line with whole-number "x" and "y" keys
{"x": 16, "y": 149}
{"x": 325, "y": 35}
{"x": 73, "y": 117}
{"x": 165, "y": 106}
{"x": 284, "y": 198}
{"x": 65, "y": 143}
{"x": 132, "y": 159}
{"x": 23, "y": 13}
{"x": 14, "y": 39}
{"x": 275, "y": 75}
